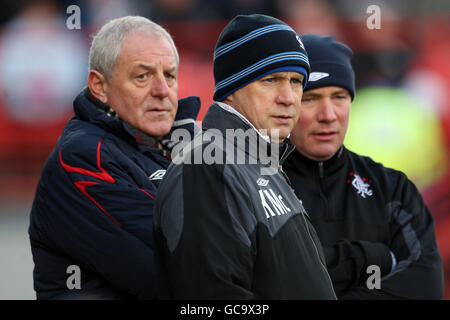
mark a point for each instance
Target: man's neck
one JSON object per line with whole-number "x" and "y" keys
{"x": 231, "y": 109}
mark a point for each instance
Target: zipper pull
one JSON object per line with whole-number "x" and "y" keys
{"x": 321, "y": 169}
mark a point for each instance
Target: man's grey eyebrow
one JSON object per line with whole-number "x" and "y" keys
{"x": 172, "y": 69}
{"x": 149, "y": 66}
{"x": 143, "y": 66}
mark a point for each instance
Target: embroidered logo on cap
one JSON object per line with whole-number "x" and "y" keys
{"x": 300, "y": 41}
{"x": 315, "y": 76}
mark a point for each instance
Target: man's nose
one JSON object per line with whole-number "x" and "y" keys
{"x": 286, "y": 94}
{"x": 327, "y": 111}
{"x": 159, "y": 87}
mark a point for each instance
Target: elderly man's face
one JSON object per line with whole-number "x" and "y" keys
{"x": 143, "y": 90}
{"x": 323, "y": 122}
{"x": 272, "y": 102}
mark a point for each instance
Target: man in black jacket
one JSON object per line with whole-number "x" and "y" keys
{"x": 371, "y": 220}
{"x": 225, "y": 228}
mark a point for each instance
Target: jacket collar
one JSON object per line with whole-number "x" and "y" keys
{"x": 222, "y": 117}
{"x": 91, "y": 109}
{"x": 299, "y": 163}
{"x": 249, "y": 125}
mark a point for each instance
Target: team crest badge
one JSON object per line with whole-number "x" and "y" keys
{"x": 361, "y": 184}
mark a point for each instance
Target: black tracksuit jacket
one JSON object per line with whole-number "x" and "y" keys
{"x": 362, "y": 211}
{"x": 224, "y": 231}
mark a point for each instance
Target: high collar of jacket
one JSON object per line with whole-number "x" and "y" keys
{"x": 91, "y": 109}
{"x": 299, "y": 163}
{"x": 222, "y": 117}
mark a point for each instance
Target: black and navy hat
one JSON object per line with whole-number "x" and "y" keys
{"x": 253, "y": 46}
{"x": 330, "y": 62}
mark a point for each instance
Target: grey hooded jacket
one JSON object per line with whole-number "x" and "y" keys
{"x": 232, "y": 231}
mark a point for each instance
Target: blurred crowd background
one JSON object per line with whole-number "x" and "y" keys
{"x": 400, "y": 116}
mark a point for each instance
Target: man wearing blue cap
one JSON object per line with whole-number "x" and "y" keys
{"x": 371, "y": 220}
{"x": 229, "y": 229}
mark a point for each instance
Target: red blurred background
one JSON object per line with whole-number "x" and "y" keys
{"x": 43, "y": 65}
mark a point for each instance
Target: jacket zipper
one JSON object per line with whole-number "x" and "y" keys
{"x": 321, "y": 189}
{"x": 321, "y": 170}
{"x": 318, "y": 256}
{"x": 280, "y": 168}
{"x": 309, "y": 232}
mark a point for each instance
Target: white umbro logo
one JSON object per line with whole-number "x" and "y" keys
{"x": 262, "y": 182}
{"x": 157, "y": 175}
{"x": 315, "y": 76}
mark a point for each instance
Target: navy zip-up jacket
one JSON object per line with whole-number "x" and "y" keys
{"x": 92, "y": 216}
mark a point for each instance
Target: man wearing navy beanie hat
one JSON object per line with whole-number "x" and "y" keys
{"x": 378, "y": 236}
{"x": 253, "y": 46}
{"x": 231, "y": 230}
{"x": 249, "y": 51}
{"x": 331, "y": 65}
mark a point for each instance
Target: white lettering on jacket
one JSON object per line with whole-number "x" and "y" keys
{"x": 273, "y": 205}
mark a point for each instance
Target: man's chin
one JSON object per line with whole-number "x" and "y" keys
{"x": 278, "y": 135}
{"x": 324, "y": 154}
{"x": 157, "y": 130}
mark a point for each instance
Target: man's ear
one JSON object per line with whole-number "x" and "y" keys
{"x": 98, "y": 85}
{"x": 228, "y": 100}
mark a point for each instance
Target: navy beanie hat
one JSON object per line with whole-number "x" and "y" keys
{"x": 330, "y": 63}
{"x": 252, "y": 46}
